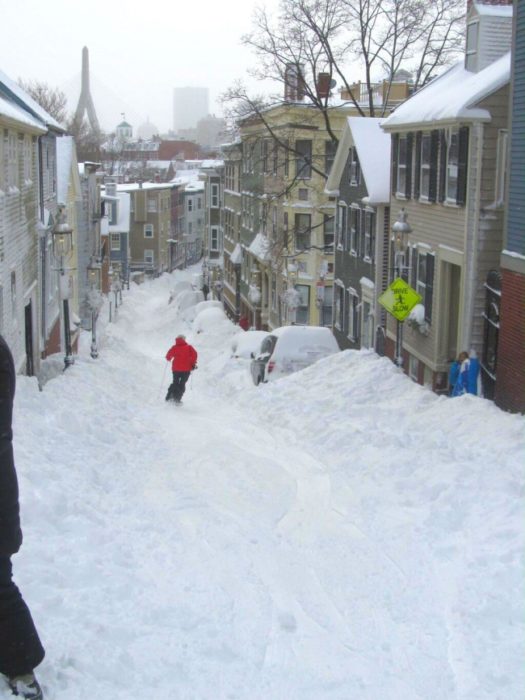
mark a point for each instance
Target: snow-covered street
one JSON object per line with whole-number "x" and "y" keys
{"x": 340, "y": 534}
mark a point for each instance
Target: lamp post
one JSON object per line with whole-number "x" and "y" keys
{"x": 291, "y": 296}
{"x": 254, "y": 295}
{"x": 94, "y": 300}
{"x": 62, "y": 246}
{"x": 401, "y": 229}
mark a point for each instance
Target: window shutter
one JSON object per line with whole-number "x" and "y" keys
{"x": 395, "y": 149}
{"x": 461, "y": 196}
{"x": 408, "y": 189}
{"x": 413, "y": 263}
{"x": 417, "y": 179}
{"x": 434, "y": 148}
{"x": 429, "y": 289}
{"x": 442, "y": 165}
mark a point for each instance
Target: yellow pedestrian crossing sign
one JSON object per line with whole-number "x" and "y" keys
{"x": 399, "y": 299}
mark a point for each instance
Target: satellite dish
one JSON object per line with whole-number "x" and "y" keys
{"x": 333, "y": 83}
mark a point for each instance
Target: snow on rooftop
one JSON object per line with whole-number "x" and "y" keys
{"x": 132, "y": 186}
{"x": 373, "y": 149}
{"x": 13, "y": 111}
{"x": 260, "y": 247}
{"x": 31, "y": 104}
{"x": 493, "y": 10}
{"x": 453, "y": 96}
{"x": 236, "y": 256}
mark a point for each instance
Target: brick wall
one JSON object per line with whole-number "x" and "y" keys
{"x": 510, "y": 381}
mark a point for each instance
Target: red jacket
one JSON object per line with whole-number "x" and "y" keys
{"x": 183, "y": 356}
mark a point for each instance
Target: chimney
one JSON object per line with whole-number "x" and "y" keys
{"x": 323, "y": 85}
{"x": 294, "y": 82}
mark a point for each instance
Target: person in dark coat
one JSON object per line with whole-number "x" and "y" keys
{"x": 183, "y": 358}
{"x": 20, "y": 647}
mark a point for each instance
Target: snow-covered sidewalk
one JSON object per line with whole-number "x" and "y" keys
{"x": 341, "y": 533}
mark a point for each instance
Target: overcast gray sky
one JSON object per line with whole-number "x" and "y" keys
{"x": 138, "y": 51}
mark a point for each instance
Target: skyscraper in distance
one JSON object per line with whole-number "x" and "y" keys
{"x": 190, "y": 104}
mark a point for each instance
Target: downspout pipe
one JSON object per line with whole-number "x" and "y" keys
{"x": 472, "y": 226}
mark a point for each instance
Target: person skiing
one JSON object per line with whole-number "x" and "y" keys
{"x": 183, "y": 357}
{"x": 20, "y": 647}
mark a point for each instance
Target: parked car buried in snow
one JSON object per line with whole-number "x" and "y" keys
{"x": 245, "y": 343}
{"x": 290, "y": 349}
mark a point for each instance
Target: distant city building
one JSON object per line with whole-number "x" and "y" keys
{"x": 124, "y": 132}
{"x": 210, "y": 131}
{"x": 190, "y": 104}
{"x": 147, "y": 130}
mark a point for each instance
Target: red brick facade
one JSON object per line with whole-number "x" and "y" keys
{"x": 510, "y": 380}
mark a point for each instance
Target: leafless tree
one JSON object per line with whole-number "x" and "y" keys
{"x": 53, "y": 100}
{"x": 376, "y": 37}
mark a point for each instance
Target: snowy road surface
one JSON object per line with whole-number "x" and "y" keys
{"x": 341, "y": 534}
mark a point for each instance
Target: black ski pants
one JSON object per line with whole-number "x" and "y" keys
{"x": 20, "y": 647}
{"x": 178, "y": 386}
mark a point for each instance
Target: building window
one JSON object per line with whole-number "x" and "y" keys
{"x": 214, "y": 239}
{"x": 423, "y": 264}
{"x": 302, "y": 194}
{"x": 452, "y": 165}
{"x": 328, "y": 231}
{"x": 424, "y": 171}
{"x": 413, "y": 368}
{"x": 353, "y": 315}
{"x": 302, "y": 312}
{"x": 355, "y": 229}
{"x": 329, "y": 155}
{"x": 339, "y": 307}
{"x": 341, "y": 225}
{"x": 303, "y": 161}
{"x": 402, "y": 163}
{"x": 354, "y": 170}
{"x": 190, "y": 204}
{"x": 302, "y": 231}
{"x": 214, "y": 196}
{"x": 369, "y": 246}
{"x": 456, "y": 165}
{"x": 199, "y": 203}
{"x": 148, "y": 230}
{"x": 327, "y": 307}
{"x": 149, "y": 257}
{"x": 114, "y": 241}
{"x": 152, "y": 205}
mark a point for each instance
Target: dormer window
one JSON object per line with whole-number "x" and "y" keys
{"x": 471, "y": 54}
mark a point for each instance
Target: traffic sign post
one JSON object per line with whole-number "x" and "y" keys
{"x": 399, "y": 298}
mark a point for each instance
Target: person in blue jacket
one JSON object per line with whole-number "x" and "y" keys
{"x": 463, "y": 375}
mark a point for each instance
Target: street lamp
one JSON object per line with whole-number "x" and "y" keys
{"x": 291, "y": 296}
{"x": 254, "y": 295}
{"x": 62, "y": 246}
{"x": 94, "y": 301}
{"x": 401, "y": 229}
